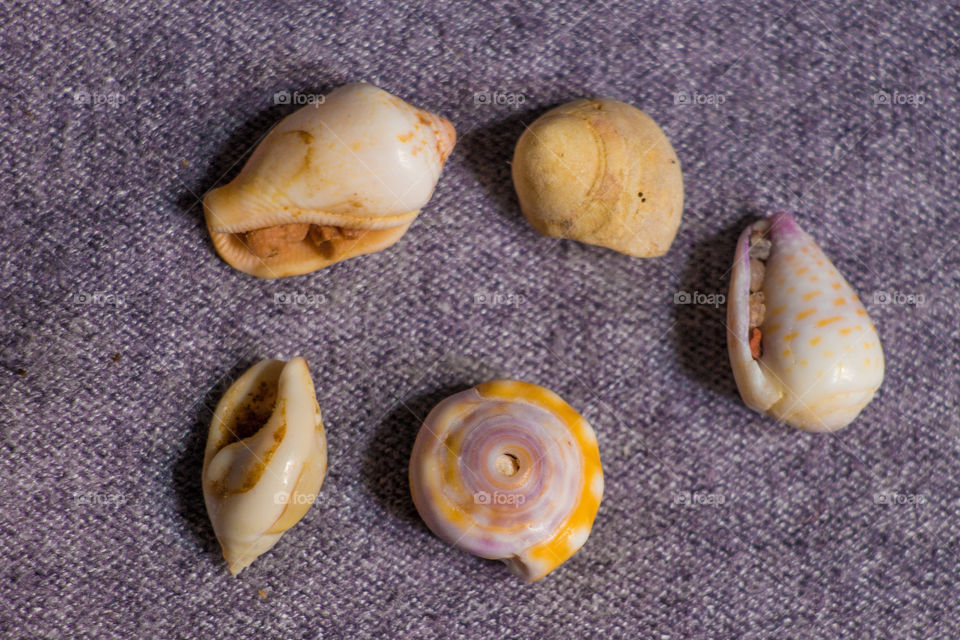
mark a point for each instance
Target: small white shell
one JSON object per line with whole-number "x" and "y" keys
{"x": 363, "y": 161}
{"x": 265, "y": 460}
{"x": 817, "y": 359}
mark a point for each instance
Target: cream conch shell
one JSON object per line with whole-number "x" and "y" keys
{"x": 802, "y": 347}
{"x": 265, "y": 460}
{"x": 509, "y": 471}
{"x": 331, "y": 181}
{"x": 601, "y": 172}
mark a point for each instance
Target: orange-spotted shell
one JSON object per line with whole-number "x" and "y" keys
{"x": 507, "y": 470}
{"x": 817, "y": 360}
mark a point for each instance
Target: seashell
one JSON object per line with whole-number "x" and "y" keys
{"x": 331, "y": 181}
{"x": 802, "y": 347}
{"x": 601, "y": 172}
{"x": 265, "y": 460}
{"x": 507, "y": 470}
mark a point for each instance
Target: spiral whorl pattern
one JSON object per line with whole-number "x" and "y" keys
{"x": 508, "y": 470}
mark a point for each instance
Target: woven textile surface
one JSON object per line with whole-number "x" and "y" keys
{"x": 120, "y": 327}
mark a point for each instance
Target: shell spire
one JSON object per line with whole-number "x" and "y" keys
{"x": 802, "y": 347}
{"x": 507, "y": 470}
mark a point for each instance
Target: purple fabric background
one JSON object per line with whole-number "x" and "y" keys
{"x": 121, "y": 328}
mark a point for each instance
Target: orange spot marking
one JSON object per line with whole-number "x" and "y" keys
{"x": 814, "y": 341}
{"x": 779, "y": 309}
{"x": 830, "y": 320}
{"x": 802, "y": 271}
{"x": 812, "y": 295}
{"x": 790, "y": 290}
{"x": 846, "y": 331}
{"x": 861, "y": 312}
{"x": 806, "y": 314}
{"x": 836, "y": 285}
{"x": 840, "y": 302}
{"x": 814, "y": 278}
{"x": 791, "y": 336}
{"x": 786, "y": 353}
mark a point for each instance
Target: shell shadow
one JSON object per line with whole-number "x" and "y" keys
{"x": 701, "y": 329}
{"x": 189, "y": 466}
{"x": 234, "y": 151}
{"x": 386, "y": 460}
{"x": 488, "y": 152}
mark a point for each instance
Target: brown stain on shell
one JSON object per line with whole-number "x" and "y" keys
{"x": 255, "y": 472}
{"x": 252, "y": 414}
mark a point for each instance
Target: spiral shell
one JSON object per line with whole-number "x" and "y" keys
{"x": 507, "y": 470}
{"x": 802, "y": 347}
{"x": 331, "y": 181}
{"x": 602, "y": 172}
{"x": 265, "y": 460}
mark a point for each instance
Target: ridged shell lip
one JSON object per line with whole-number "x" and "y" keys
{"x": 263, "y": 216}
{"x": 363, "y": 160}
{"x": 301, "y": 257}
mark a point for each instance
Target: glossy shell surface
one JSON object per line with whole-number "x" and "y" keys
{"x": 265, "y": 460}
{"x": 507, "y": 470}
{"x": 363, "y": 160}
{"x": 820, "y": 360}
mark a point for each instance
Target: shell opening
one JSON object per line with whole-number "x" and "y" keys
{"x": 758, "y": 253}
{"x": 281, "y": 239}
{"x": 252, "y": 411}
{"x": 265, "y": 459}
{"x": 508, "y": 465}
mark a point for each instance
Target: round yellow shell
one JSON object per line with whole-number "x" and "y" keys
{"x": 601, "y": 172}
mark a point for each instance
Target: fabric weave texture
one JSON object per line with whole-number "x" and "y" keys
{"x": 120, "y": 327}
